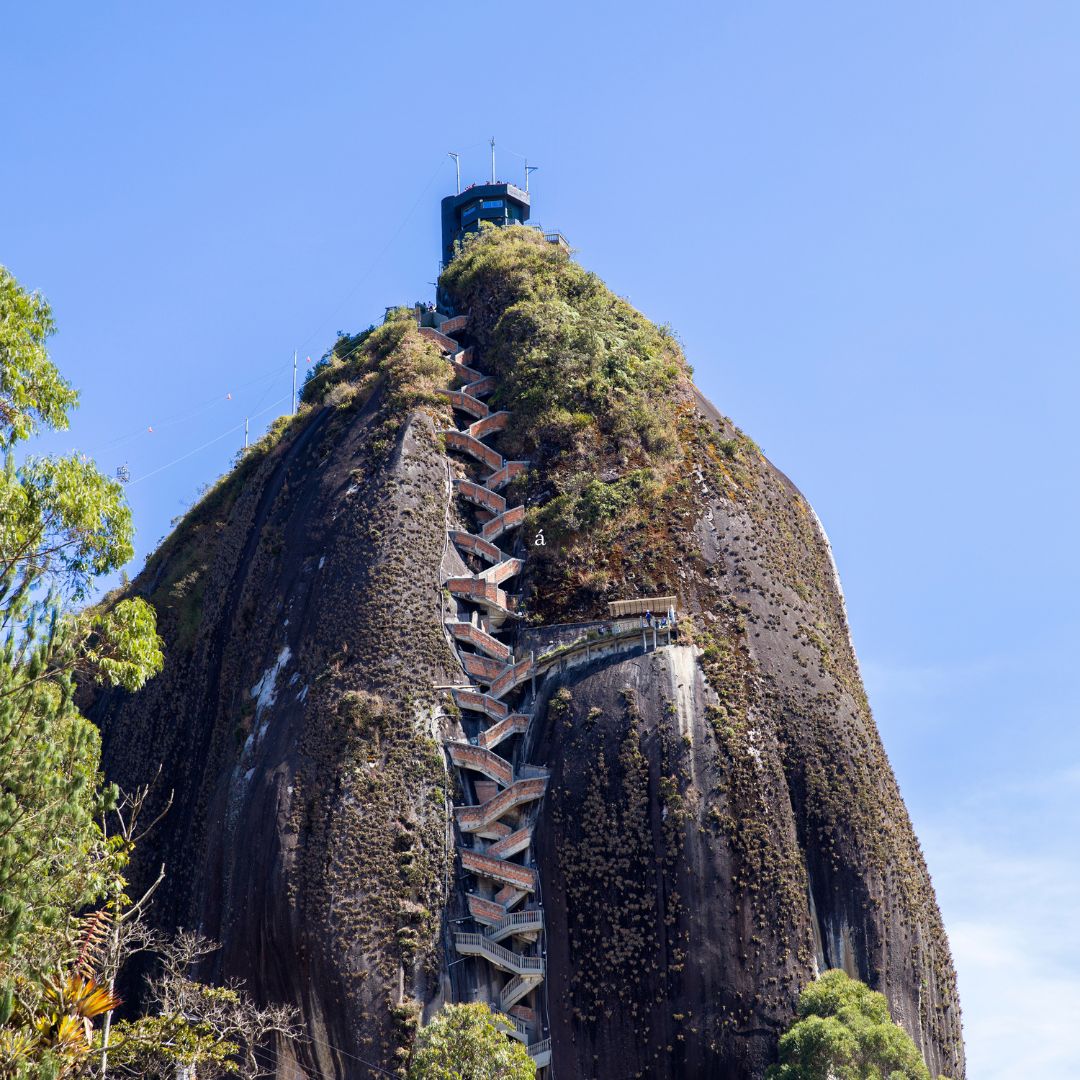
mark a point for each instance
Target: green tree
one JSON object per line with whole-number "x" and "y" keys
{"x": 463, "y": 1043}
{"x": 31, "y": 389}
{"x": 844, "y": 1032}
{"x": 65, "y": 837}
{"x": 62, "y": 526}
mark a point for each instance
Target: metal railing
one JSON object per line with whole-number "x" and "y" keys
{"x": 536, "y": 1049}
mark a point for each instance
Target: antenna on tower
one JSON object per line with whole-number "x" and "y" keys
{"x": 493, "y": 159}
{"x": 529, "y": 169}
{"x": 457, "y": 168}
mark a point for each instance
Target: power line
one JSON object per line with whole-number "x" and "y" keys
{"x": 237, "y": 427}
{"x": 178, "y": 418}
{"x": 307, "y": 1036}
{"x": 198, "y": 449}
{"x": 343, "y": 357}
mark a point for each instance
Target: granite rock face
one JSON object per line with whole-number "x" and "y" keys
{"x": 722, "y": 824}
{"x": 721, "y": 821}
{"x": 294, "y": 723}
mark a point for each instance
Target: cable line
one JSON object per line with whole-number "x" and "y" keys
{"x": 375, "y": 262}
{"x": 216, "y": 439}
{"x": 189, "y": 414}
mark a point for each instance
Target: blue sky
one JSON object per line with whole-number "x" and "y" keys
{"x": 861, "y": 219}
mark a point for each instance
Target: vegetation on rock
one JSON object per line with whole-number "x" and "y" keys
{"x": 411, "y": 367}
{"x": 390, "y": 366}
{"x": 597, "y": 396}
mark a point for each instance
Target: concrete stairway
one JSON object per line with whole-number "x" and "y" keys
{"x": 503, "y": 958}
{"x": 499, "y": 825}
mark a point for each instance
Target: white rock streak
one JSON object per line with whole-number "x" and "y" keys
{"x": 265, "y": 690}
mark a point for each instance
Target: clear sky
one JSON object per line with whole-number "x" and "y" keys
{"x": 860, "y": 218}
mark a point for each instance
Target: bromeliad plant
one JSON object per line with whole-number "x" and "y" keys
{"x": 52, "y": 1036}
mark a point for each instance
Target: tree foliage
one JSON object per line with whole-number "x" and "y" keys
{"x": 31, "y": 389}
{"x": 844, "y": 1032}
{"x": 62, "y": 526}
{"x": 463, "y": 1043}
{"x": 215, "y": 1031}
{"x": 65, "y": 836}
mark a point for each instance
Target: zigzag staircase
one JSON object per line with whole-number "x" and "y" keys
{"x": 496, "y": 824}
{"x": 502, "y": 799}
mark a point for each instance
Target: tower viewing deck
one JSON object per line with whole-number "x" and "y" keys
{"x": 498, "y": 204}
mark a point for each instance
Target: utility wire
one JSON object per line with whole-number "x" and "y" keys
{"x": 308, "y": 1037}
{"x": 198, "y": 449}
{"x": 178, "y": 418}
